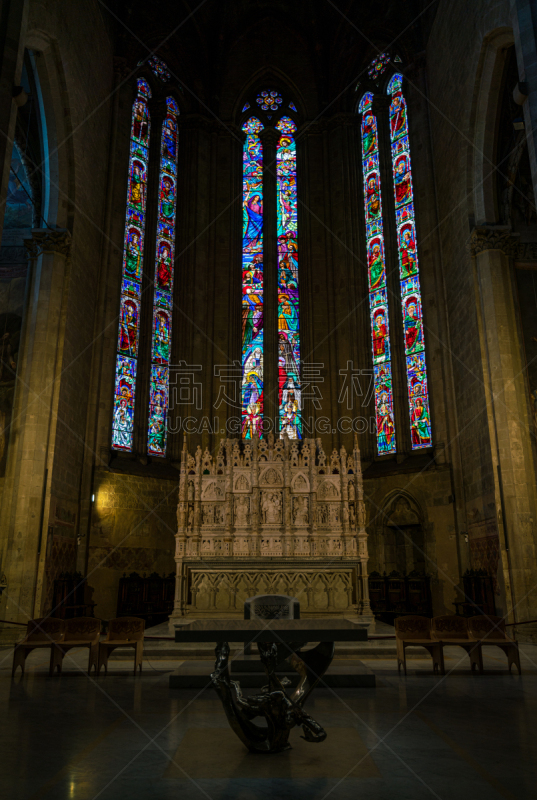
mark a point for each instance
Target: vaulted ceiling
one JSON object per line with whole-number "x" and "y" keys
{"x": 218, "y": 48}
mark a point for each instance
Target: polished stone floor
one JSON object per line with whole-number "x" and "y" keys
{"x": 460, "y": 736}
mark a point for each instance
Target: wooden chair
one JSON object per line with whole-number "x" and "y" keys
{"x": 453, "y": 630}
{"x": 413, "y": 631}
{"x": 491, "y": 630}
{"x": 79, "y": 632}
{"x": 40, "y": 633}
{"x": 123, "y": 632}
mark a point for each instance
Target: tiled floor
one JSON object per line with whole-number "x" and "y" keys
{"x": 463, "y": 736}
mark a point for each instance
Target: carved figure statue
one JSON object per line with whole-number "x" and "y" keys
{"x": 301, "y": 515}
{"x": 191, "y": 490}
{"x": 323, "y": 514}
{"x": 271, "y": 507}
{"x": 241, "y": 512}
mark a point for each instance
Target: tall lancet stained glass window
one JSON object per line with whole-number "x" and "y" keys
{"x": 252, "y": 393}
{"x": 416, "y": 370}
{"x": 289, "y": 391}
{"x": 376, "y": 272}
{"x": 163, "y": 289}
{"x": 131, "y": 281}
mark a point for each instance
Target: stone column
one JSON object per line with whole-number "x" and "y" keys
{"x": 509, "y": 419}
{"x": 36, "y": 430}
{"x": 269, "y": 139}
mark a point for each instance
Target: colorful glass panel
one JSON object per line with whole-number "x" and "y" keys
{"x": 416, "y": 370}
{"x": 378, "y": 66}
{"x": 159, "y": 68}
{"x": 269, "y": 101}
{"x": 289, "y": 389}
{"x": 163, "y": 286}
{"x": 376, "y": 276}
{"x": 252, "y": 389}
{"x": 129, "y": 314}
{"x": 292, "y": 106}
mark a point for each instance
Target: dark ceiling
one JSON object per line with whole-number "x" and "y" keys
{"x": 215, "y": 48}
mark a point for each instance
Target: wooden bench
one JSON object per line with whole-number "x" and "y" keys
{"x": 453, "y": 630}
{"x": 416, "y": 631}
{"x": 40, "y": 633}
{"x": 491, "y": 630}
{"x": 123, "y": 632}
{"x": 79, "y": 632}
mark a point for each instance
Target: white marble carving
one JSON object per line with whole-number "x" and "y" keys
{"x": 264, "y": 501}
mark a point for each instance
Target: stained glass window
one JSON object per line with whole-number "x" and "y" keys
{"x": 163, "y": 292}
{"x": 416, "y": 370}
{"x": 376, "y": 272}
{"x": 245, "y": 107}
{"x": 159, "y": 69}
{"x": 289, "y": 392}
{"x": 378, "y": 66}
{"x": 292, "y": 106}
{"x": 129, "y": 314}
{"x": 252, "y": 393}
{"x": 269, "y": 101}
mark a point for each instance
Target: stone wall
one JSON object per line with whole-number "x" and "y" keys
{"x": 428, "y": 501}
{"x": 60, "y": 454}
{"x": 133, "y": 525}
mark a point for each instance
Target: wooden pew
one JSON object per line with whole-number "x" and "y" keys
{"x": 416, "y": 631}
{"x": 40, "y": 633}
{"x": 79, "y": 632}
{"x": 491, "y": 630}
{"x": 453, "y": 630}
{"x": 123, "y": 632}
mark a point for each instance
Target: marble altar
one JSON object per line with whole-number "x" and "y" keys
{"x": 271, "y": 516}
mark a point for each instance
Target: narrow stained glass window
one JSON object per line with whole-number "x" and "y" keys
{"x": 163, "y": 292}
{"x": 376, "y": 272}
{"x": 289, "y": 392}
{"x": 129, "y": 314}
{"x": 252, "y": 281}
{"x": 416, "y": 370}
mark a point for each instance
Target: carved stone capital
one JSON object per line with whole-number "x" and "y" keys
{"x": 524, "y": 251}
{"x": 492, "y": 237}
{"x": 45, "y": 240}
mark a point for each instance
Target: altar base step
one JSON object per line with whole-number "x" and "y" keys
{"x": 347, "y": 674}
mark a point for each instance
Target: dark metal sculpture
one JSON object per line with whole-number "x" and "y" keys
{"x": 282, "y": 711}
